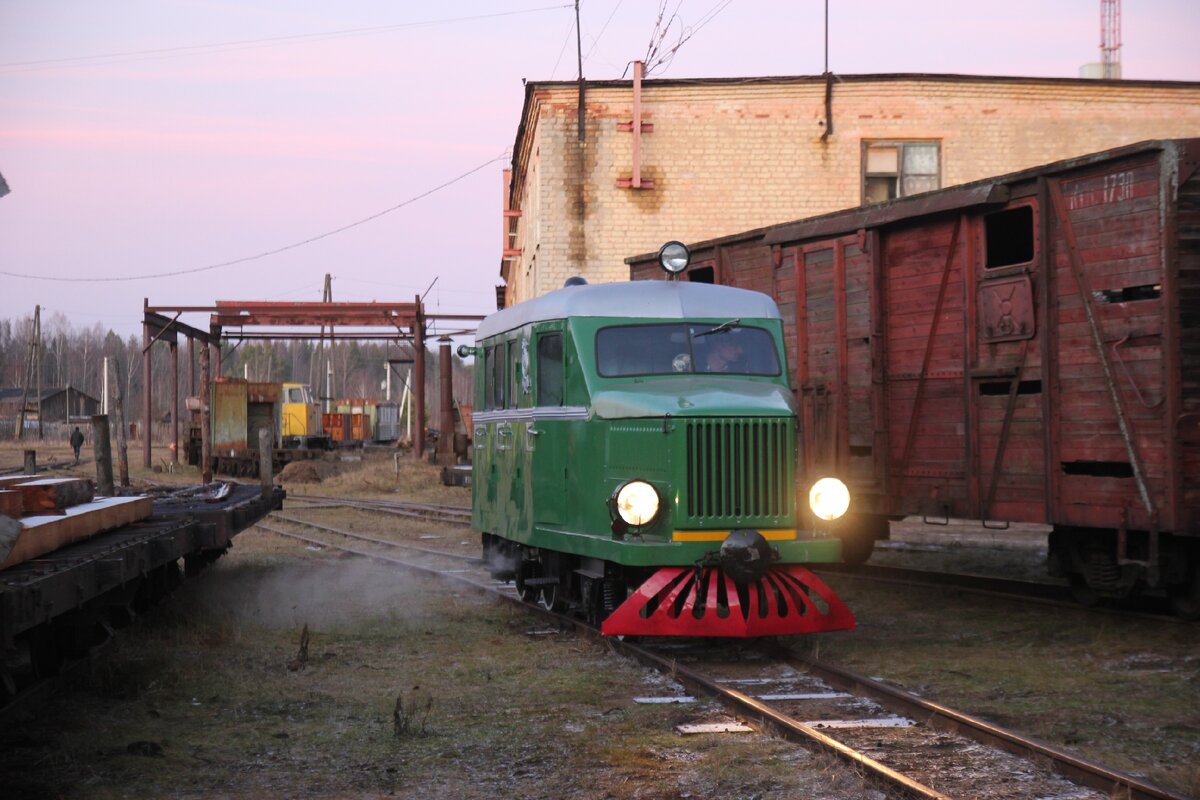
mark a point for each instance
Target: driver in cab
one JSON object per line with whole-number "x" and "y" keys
{"x": 724, "y": 355}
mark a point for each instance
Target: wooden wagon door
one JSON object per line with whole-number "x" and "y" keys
{"x": 838, "y": 360}
{"x": 1006, "y": 386}
{"x": 927, "y": 407}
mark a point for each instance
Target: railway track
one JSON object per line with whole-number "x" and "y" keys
{"x": 1047, "y": 594}
{"x": 450, "y": 514}
{"x": 910, "y": 746}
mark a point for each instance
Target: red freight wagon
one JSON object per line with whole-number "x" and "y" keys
{"x": 1024, "y": 348}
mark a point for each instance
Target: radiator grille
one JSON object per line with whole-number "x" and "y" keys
{"x": 739, "y": 470}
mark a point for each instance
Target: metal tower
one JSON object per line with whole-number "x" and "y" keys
{"x": 1110, "y": 39}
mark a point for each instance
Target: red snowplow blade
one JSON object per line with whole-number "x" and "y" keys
{"x": 684, "y": 601}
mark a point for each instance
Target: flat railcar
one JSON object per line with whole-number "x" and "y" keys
{"x": 56, "y": 607}
{"x": 1019, "y": 349}
{"x": 625, "y": 468}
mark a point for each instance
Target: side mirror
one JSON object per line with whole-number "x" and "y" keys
{"x": 465, "y": 350}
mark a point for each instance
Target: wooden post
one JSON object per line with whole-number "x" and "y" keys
{"x": 174, "y": 403}
{"x": 445, "y": 446}
{"x": 147, "y": 414}
{"x": 31, "y": 462}
{"x": 205, "y": 395}
{"x": 266, "y": 442}
{"x": 419, "y": 382}
{"x": 104, "y": 468}
{"x": 122, "y": 428}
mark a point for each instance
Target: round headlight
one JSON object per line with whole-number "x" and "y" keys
{"x": 637, "y": 503}
{"x": 829, "y": 498}
{"x": 674, "y": 257}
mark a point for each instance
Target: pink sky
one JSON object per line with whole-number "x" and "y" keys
{"x": 136, "y": 165}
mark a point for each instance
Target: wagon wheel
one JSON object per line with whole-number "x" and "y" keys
{"x": 601, "y": 599}
{"x": 526, "y": 570}
{"x": 1185, "y": 598}
{"x": 554, "y": 595}
{"x": 1085, "y": 595}
{"x": 553, "y": 598}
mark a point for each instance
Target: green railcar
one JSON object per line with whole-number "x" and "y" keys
{"x": 634, "y": 460}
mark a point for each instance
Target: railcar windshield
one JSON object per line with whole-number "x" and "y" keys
{"x": 690, "y": 347}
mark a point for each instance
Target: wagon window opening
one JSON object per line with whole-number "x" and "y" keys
{"x": 1129, "y": 294}
{"x": 702, "y": 275}
{"x": 1009, "y": 237}
{"x": 550, "y": 369}
{"x": 899, "y": 169}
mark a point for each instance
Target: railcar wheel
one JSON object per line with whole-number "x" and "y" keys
{"x": 1185, "y": 598}
{"x": 554, "y": 596}
{"x": 526, "y": 571}
{"x": 552, "y": 599}
{"x": 858, "y": 533}
{"x": 1085, "y": 595}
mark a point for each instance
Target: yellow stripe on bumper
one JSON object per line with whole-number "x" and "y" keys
{"x": 719, "y": 536}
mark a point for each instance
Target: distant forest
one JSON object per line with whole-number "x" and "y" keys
{"x": 75, "y": 356}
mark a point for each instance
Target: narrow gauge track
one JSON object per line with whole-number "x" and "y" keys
{"x": 828, "y": 708}
{"x": 1047, "y": 594}
{"x": 450, "y": 514}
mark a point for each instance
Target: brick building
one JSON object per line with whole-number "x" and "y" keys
{"x": 717, "y": 156}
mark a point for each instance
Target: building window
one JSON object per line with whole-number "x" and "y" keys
{"x": 898, "y": 169}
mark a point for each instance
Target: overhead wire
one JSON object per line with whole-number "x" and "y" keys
{"x": 596, "y": 41}
{"x": 276, "y": 251}
{"x": 563, "y": 49}
{"x": 269, "y": 41}
{"x": 654, "y": 59}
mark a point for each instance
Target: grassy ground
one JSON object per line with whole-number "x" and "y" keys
{"x": 210, "y": 695}
{"x": 403, "y": 689}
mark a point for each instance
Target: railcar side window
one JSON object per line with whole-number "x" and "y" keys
{"x": 514, "y": 389}
{"x": 489, "y": 358}
{"x": 695, "y": 347}
{"x": 550, "y": 369}
{"x": 496, "y": 377}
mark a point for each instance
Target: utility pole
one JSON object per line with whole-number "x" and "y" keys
{"x": 579, "y": 56}
{"x": 314, "y": 366}
{"x": 33, "y": 374}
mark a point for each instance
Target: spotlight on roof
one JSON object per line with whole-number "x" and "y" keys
{"x": 673, "y": 257}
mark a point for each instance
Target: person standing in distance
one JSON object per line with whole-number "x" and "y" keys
{"x": 76, "y": 442}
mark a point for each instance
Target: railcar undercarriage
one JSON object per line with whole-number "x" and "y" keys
{"x": 697, "y": 600}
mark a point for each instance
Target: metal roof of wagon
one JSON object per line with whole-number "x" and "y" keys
{"x": 641, "y": 299}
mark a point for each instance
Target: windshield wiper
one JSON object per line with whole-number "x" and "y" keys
{"x": 724, "y": 326}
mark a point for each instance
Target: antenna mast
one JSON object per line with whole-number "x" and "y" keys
{"x": 1110, "y": 39}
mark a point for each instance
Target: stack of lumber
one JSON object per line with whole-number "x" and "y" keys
{"x": 39, "y": 515}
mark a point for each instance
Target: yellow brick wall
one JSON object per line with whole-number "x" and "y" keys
{"x": 731, "y": 157}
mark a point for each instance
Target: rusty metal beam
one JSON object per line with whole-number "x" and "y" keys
{"x": 362, "y": 336}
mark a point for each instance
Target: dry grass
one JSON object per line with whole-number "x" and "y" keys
{"x": 198, "y": 699}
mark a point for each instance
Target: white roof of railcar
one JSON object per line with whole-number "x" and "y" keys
{"x": 634, "y": 299}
